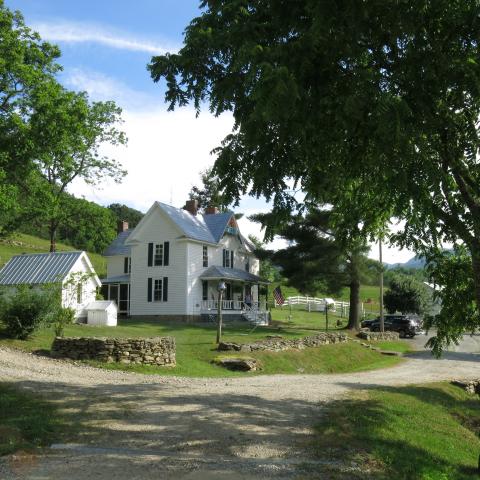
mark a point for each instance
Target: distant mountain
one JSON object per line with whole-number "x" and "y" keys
{"x": 416, "y": 262}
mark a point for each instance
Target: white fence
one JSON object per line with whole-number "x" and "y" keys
{"x": 318, "y": 304}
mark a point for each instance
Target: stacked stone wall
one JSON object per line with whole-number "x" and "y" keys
{"x": 146, "y": 351}
{"x": 278, "y": 344}
{"x": 378, "y": 336}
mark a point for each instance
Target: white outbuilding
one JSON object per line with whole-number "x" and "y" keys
{"x": 73, "y": 272}
{"x": 102, "y": 312}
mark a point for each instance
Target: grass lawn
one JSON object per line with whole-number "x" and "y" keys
{"x": 21, "y": 243}
{"x": 424, "y": 432}
{"x": 26, "y": 421}
{"x": 196, "y": 349}
{"x": 401, "y": 346}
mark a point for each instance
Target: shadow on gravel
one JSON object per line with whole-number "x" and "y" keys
{"x": 457, "y": 356}
{"x": 158, "y": 422}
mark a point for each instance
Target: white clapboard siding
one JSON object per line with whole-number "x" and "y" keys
{"x": 115, "y": 265}
{"x": 89, "y": 288}
{"x": 159, "y": 229}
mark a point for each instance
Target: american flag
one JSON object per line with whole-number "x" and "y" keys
{"x": 277, "y": 293}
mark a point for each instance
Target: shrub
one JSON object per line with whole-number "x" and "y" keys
{"x": 24, "y": 311}
{"x": 62, "y": 317}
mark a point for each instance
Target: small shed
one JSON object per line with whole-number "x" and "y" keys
{"x": 102, "y": 312}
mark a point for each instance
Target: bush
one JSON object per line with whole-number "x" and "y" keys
{"x": 63, "y": 317}
{"x": 24, "y": 311}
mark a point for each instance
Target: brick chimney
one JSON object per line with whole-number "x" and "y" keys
{"x": 211, "y": 210}
{"x": 191, "y": 206}
{"x": 122, "y": 226}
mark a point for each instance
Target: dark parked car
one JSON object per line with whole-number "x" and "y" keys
{"x": 367, "y": 323}
{"x": 405, "y": 325}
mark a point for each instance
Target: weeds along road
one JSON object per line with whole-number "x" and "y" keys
{"x": 133, "y": 426}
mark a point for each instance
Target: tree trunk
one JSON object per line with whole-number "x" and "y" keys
{"x": 475, "y": 251}
{"x": 354, "y": 313}
{"x": 52, "y": 229}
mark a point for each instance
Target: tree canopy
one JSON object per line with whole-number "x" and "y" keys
{"x": 370, "y": 106}
{"x": 406, "y": 295}
{"x": 316, "y": 261}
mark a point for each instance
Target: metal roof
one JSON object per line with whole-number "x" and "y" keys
{"x": 118, "y": 247}
{"x": 101, "y": 305}
{"x": 217, "y": 222}
{"x": 192, "y": 226}
{"x": 38, "y": 268}
{"x": 117, "y": 279}
{"x": 223, "y": 273}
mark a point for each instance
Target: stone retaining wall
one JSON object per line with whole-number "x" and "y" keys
{"x": 278, "y": 344}
{"x": 146, "y": 351}
{"x": 378, "y": 336}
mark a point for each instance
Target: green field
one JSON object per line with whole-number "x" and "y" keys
{"x": 424, "y": 432}
{"x": 196, "y": 349}
{"x": 21, "y": 243}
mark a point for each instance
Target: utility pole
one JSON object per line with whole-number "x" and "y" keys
{"x": 382, "y": 323}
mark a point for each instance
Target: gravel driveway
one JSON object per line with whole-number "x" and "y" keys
{"x": 148, "y": 427}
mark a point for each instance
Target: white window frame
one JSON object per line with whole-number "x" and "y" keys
{"x": 155, "y": 290}
{"x": 158, "y": 255}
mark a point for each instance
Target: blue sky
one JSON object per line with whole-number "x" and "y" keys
{"x": 106, "y": 46}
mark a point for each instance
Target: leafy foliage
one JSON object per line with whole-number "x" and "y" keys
{"x": 315, "y": 260}
{"x": 452, "y": 272}
{"x": 63, "y": 317}
{"x": 370, "y": 106}
{"x": 27, "y": 65}
{"x": 24, "y": 310}
{"x": 124, "y": 213}
{"x": 209, "y": 193}
{"x": 406, "y": 295}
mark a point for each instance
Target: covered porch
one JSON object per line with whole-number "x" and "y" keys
{"x": 241, "y": 301}
{"x": 118, "y": 289}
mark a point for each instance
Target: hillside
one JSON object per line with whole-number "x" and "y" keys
{"x": 21, "y": 243}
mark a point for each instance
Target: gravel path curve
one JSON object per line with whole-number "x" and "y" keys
{"x": 182, "y": 428}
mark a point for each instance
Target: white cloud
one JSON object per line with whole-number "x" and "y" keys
{"x": 77, "y": 32}
{"x": 102, "y": 87}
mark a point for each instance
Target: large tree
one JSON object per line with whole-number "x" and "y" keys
{"x": 372, "y": 106}
{"x": 316, "y": 261}
{"x": 26, "y": 64}
{"x": 69, "y": 130}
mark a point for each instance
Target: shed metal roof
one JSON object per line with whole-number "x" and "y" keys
{"x": 118, "y": 247}
{"x": 223, "y": 273}
{"x": 38, "y": 268}
{"x": 101, "y": 305}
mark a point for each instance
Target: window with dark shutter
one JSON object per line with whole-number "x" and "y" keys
{"x": 149, "y": 290}
{"x": 158, "y": 257}
{"x": 150, "y": 254}
{"x": 166, "y": 253}
{"x": 125, "y": 265}
{"x": 205, "y": 256}
{"x": 165, "y": 289}
{"x": 231, "y": 259}
{"x": 224, "y": 258}
{"x": 157, "y": 290}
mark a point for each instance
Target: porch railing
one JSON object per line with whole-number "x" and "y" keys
{"x": 232, "y": 305}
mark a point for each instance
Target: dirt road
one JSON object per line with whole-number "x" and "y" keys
{"x": 148, "y": 427}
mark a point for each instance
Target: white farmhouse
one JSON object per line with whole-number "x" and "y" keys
{"x": 72, "y": 270}
{"x": 169, "y": 266}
